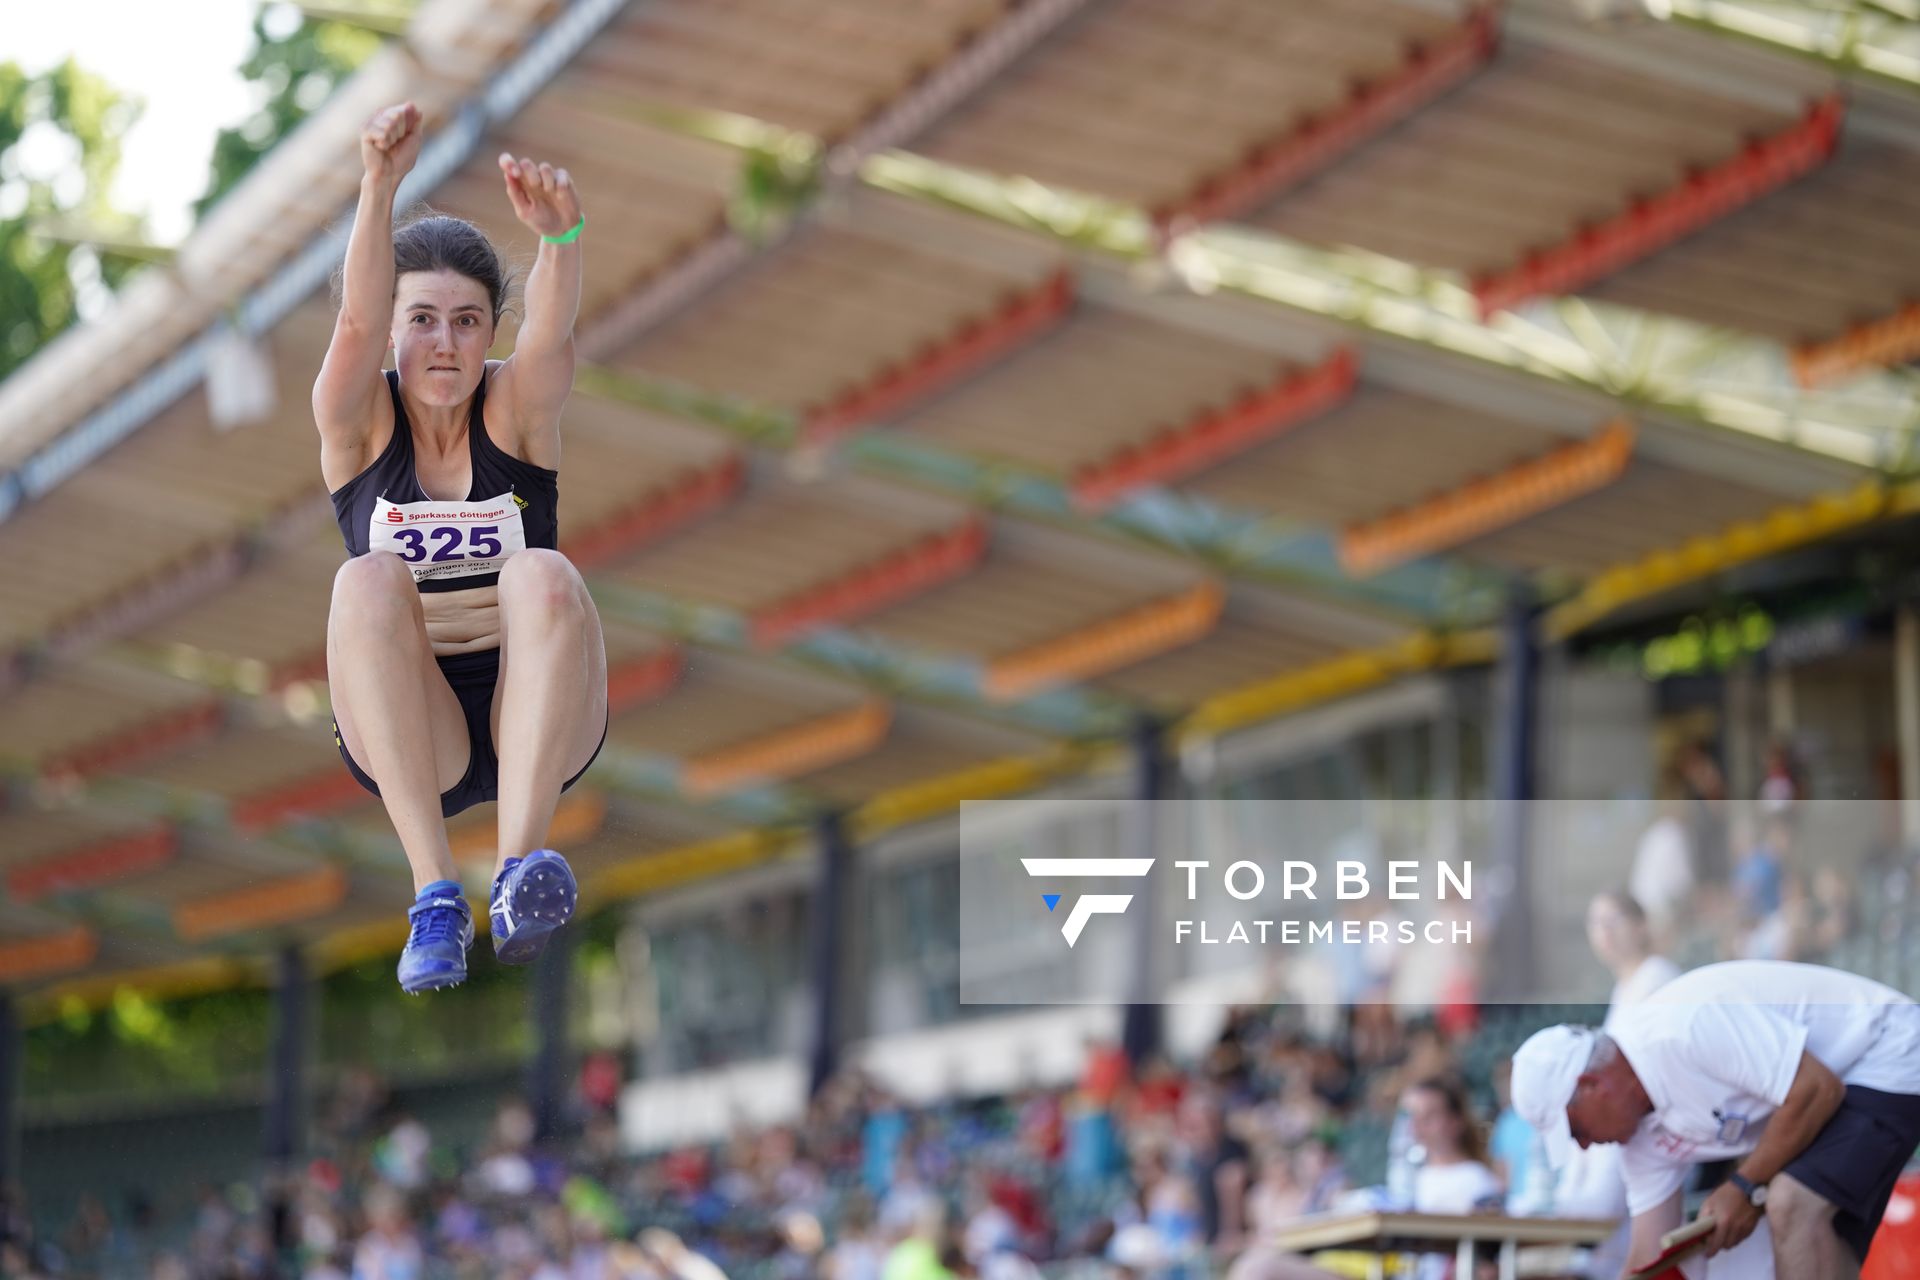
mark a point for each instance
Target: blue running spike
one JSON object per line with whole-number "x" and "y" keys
{"x": 532, "y": 896}
{"x": 441, "y": 930}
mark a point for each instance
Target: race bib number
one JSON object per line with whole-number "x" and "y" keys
{"x": 449, "y": 539}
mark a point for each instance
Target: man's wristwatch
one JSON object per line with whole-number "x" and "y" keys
{"x": 1756, "y": 1193}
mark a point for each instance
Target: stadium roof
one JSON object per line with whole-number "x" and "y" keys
{"x": 961, "y": 390}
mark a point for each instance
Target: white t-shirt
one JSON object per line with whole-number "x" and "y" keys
{"x": 1654, "y": 973}
{"x": 1593, "y": 1183}
{"x": 1718, "y": 1048}
{"x": 1454, "y": 1189}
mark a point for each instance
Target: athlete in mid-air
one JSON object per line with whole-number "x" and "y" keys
{"x": 463, "y": 651}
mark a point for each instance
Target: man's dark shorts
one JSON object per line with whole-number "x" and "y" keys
{"x": 1854, "y": 1161}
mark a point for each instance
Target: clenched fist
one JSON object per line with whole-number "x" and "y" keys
{"x": 391, "y": 143}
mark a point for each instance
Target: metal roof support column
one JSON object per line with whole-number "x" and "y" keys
{"x": 1141, "y": 1032}
{"x": 1906, "y": 692}
{"x": 10, "y": 1049}
{"x": 832, "y": 880}
{"x": 547, "y": 1074}
{"x": 1514, "y": 771}
{"x": 285, "y": 1098}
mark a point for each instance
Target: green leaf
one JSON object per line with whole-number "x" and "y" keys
{"x": 38, "y": 296}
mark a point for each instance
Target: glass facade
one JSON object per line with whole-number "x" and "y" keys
{"x": 912, "y": 973}
{"x": 729, "y": 983}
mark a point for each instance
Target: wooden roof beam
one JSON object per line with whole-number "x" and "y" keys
{"x": 859, "y": 657}
{"x": 283, "y": 900}
{"x": 1872, "y": 344}
{"x": 1527, "y": 488}
{"x": 699, "y": 492}
{"x": 1337, "y": 677}
{"x": 48, "y": 955}
{"x": 94, "y": 864}
{"x": 1426, "y": 72}
{"x": 1657, "y": 361}
{"x": 142, "y": 741}
{"x": 1651, "y": 223}
{"x": 1780, "y": 530}
{"x": 1139, "y": 633}
{"x": 1215, "y": 434}
{"x": 788, "y": 752}
{"x": 896, "y": 576}
{"x": 977, "y": 62}
{"x": 1240, "y": 544}
{"x": 973, "y": 346}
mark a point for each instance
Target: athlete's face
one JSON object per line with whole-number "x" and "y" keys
{"x": 442, "y": 327}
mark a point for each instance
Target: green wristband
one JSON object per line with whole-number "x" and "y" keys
{"x": 567, "y": 237}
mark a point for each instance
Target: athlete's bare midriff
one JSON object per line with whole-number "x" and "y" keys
{"x": 462, "y": 621}
{"x": 467, "y": 620}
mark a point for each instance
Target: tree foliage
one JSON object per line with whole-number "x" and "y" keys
{"x": 298, "y": 64}
{"x": 80, "y": 120}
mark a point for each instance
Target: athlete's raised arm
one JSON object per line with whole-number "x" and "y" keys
{"x": 349, "y": 396}
{"x": 534, "y": 383}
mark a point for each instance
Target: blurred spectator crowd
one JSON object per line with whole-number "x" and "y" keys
{"x": 1158, "y": 1171}
{"x": 1155, "y": 1169}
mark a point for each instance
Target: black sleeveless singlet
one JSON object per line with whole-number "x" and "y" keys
{"x": 455, "y": 545}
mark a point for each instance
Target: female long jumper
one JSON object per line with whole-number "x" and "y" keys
{"x": 464, "y": 653}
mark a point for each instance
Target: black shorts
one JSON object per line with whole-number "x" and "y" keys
{"x": 1854, "y": 1161}
{"x": 472, "y": 677}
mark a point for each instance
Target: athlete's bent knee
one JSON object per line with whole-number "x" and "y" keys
{"x": 542, "y": 579}
{"x": 375, "y": 585}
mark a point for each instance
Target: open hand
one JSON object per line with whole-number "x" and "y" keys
{"x": 391, "y": 142}
{"x": 543, "y": 196}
